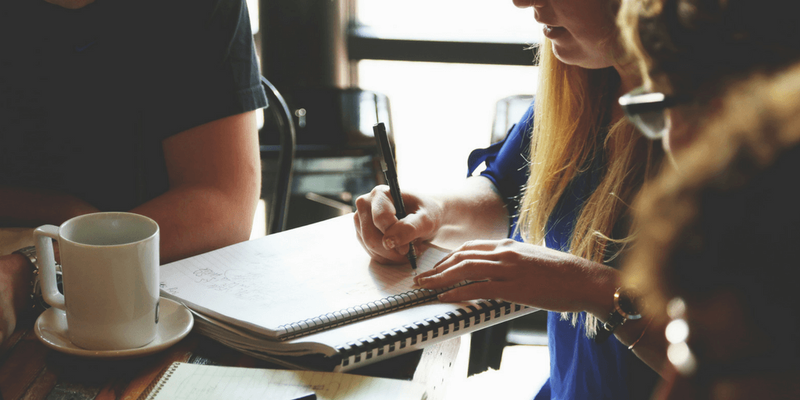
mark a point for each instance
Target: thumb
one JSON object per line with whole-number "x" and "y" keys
{"x": 411, "y": 228}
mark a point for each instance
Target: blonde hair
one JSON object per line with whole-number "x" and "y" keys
{"x": 573, "y": 128}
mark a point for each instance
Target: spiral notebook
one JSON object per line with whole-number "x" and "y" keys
{"x": 182, "y": 381}
{"x": 315, "y": 291}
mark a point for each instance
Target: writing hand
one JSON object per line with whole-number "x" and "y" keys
{"x": 385, "y": 237}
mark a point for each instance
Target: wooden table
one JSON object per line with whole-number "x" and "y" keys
{"x": 29, "y": 370}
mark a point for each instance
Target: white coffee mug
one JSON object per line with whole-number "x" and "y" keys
{"x": 110, "y": 276}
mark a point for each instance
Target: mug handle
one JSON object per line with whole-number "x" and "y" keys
{"x": 47, "y": 264}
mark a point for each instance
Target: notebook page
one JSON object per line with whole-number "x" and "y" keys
{"x": 201, "y": 382}
{"x": 289, "y": 277}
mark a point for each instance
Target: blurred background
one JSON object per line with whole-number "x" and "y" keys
{"x": 435, "y": 71}
{"x": 445, "y": 76}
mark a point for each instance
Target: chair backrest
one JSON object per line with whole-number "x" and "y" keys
{"x": 508, "y": 111}
{"x": 278, "y": 205}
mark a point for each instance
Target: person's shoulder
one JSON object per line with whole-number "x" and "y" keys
{"x": 524, "y": 128}
{"x": 178, "y": 13}
{"x": 201, "y": 8}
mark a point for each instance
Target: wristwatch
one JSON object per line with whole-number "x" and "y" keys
{"x": 30, "y": 253}
{"x": 37, "y": 300}
{"x": 627, "y": 305}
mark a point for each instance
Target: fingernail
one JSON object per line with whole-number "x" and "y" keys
{"x": 388, "y": 243}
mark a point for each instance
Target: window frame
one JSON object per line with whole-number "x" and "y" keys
{"x": 362, "y": 45}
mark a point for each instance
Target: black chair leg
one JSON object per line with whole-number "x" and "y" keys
{"x": 486, "y": 348}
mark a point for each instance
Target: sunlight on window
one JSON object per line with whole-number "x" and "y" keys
{"x": 440, "y": 112}
{"x": 452, "y": 20}
{"x": 252, "y": 9}
{"x": 259, "y": 221}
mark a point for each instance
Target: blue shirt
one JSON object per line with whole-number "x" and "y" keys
{"x": 579, "y": 367}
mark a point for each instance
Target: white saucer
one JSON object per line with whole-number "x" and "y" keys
{"x": 175, "y": 322}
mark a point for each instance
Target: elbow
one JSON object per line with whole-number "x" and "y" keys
{"x": 244, "y": 204}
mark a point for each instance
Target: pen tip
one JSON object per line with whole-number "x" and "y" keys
{"x": 412, "y": 255}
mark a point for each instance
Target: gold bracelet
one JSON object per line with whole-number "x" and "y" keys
{"x": 642, "y": 335}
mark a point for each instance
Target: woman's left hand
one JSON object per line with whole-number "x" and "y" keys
{"x": 523, "y": 273}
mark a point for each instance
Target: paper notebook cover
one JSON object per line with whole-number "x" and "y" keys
{"x": 293, "y": 283}
{"x": 183, "y": 381}
{"x": 351, "y": 346}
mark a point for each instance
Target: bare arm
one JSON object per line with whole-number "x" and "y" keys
{"x": 34, "y": 207}
{"x": 652, "y": 343}
{"x": 215, "y": 182}
{"x": 543, "y": 278}
{"x": 476, "y": 211}
{"x": 473, "y": 210}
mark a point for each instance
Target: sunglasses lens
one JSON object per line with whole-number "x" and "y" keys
{"x": 651, "y": 124}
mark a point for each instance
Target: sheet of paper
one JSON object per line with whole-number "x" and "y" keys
{"x": 205, "y": 382}
{"x": 289, "y": 277}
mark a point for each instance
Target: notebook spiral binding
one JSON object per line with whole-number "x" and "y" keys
{"x": 351, "y": 314}
{"x": 155, "y": 387}
{"x": 421, "y": 331}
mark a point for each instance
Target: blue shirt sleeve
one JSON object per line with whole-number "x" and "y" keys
{"x": 507, "y": 163}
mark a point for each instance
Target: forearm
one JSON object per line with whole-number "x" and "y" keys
{"x": 647, "y": 333}
{"x": 215, "y": 181}
{"x": 473, "y": 211}
{"x": 197, "y": 219}
{"x": 34, "y": 207}
{"x": 598, "y": 299}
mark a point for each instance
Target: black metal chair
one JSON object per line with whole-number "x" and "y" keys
{"x": 277, "y": 208}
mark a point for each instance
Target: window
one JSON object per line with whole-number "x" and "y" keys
{"x": 444, "y": 65}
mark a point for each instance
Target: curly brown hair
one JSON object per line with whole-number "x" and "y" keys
{"x": 698, "y": 47}
{"x": 729, "y": 220}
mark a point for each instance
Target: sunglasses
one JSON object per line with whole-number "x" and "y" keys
{"x": 647, "y": 110}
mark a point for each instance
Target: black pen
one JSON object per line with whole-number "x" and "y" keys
{"x": 390, "y": 173}
{"x": 310, "y": 396}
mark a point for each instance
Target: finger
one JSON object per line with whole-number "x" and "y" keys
{"x": 409, "y": 229}
{"x": 357, "y": 222}
{"x": 458, "y": 257}
{"x": 485, "y": 245}
{"x": 477, "y": 290}
{"x": 381, "y": 259}
{"x": 480, "y": 249}
{"x": 468, "y": 270}
{"x": 369, "y": 235}
{"x": 382, "y": 208}
{"x": 446, "y": 262}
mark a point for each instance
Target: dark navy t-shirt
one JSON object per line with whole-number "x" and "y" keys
{"x": 87, "y": 96}
{"x": 579, "y": 367}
